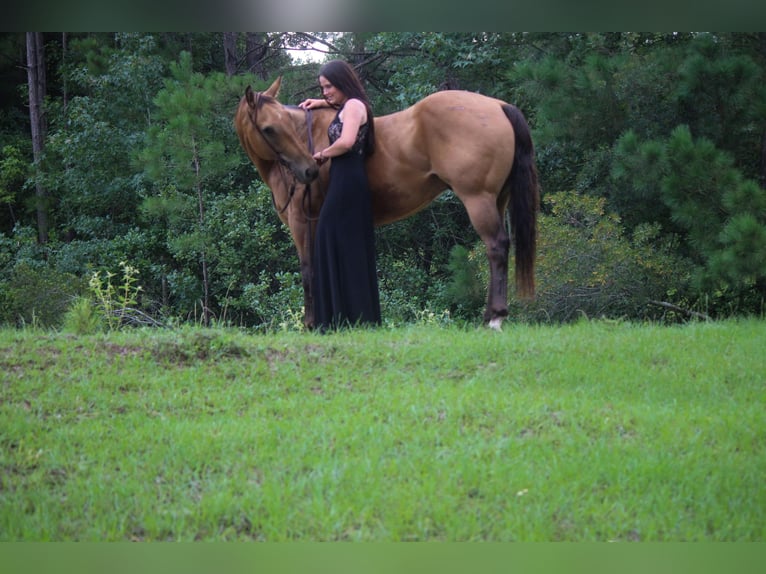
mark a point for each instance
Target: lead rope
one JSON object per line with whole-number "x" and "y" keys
{"x": 280, "y": 161}
{"x": 309, "y": 239}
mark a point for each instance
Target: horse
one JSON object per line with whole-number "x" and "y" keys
{"x": 479, "y": 147}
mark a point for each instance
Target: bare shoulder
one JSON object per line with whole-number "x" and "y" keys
{"x": 356, "y": 108}
{"x": 356, "y": 103}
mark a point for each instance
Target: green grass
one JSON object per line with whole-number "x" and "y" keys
{"x": 594, "y": 431}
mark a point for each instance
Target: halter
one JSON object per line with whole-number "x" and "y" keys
{"x": 283, "y": 162}
{"x": 280, "y": 158}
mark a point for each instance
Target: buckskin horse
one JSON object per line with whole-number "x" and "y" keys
{"x": 479, "y": 147}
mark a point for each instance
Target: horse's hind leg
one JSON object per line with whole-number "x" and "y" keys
{"x": 488, "y": 222}
{"x": 497, "y": 290}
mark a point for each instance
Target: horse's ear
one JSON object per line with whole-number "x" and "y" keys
{"x": 249, "y": 96}
{"x": 273, "y": 90}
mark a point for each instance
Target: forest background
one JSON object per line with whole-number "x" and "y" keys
{"x": 123, "y": 186}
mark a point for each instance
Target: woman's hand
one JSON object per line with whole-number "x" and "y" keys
{"x": 312, "y": 103}
{"x": 320, "y": 157}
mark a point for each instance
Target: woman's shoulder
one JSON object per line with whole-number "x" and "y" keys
{"x": 357, "y": 105}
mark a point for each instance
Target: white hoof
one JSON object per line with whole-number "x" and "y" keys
{"x": 496, "y": 324}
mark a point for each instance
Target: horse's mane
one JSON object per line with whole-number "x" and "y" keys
{"x": 263, "y": 99}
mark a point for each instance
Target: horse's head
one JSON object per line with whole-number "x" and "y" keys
{"x": 278, "y": 139}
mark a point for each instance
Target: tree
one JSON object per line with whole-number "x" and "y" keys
{"x": 668, "y": 128}
{"x": 93, "y": 139}
{"x": 257, "y": 49}
{"x": 37, "y": 89}
{"x": 230, "y": 52}
{"x": 262, "y": 52}
{"x": 697, "y": 192}
{"x": 185, "y": 156}
{"x": 404, "y": 67}
{"x": 723, "y": 213}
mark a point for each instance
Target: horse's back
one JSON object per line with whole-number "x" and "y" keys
{"x": 473, "y": 100}
{"x": 461, "y": 137}
{"x": 461, "y": 116}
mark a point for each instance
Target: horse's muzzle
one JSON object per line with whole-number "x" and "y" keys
{"x": 309, "y": 174}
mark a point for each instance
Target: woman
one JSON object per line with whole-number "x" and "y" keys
{"x": 345, "y": 284}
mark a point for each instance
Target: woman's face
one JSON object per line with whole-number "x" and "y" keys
{"x": 330, "y": 93}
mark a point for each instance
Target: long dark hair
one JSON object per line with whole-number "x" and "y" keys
{"x": 341, "y": 75}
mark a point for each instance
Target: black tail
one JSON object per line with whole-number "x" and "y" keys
{"x": 524, "y": 202}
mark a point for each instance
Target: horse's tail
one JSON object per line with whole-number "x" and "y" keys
{"x": 524, "y": 202}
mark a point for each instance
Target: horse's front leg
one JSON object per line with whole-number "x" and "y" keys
{"x": 308, "y": 297}
{"x": 301, "y": 230}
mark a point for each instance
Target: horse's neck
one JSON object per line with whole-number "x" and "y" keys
{"x": 321, "y": 119}
{"x": 275, "y": 177}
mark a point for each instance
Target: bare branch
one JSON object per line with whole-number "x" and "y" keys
{"x": 687, "y": 312}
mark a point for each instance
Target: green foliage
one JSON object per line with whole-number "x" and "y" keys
{"x": 93, "y": 138}
{"x": 185, "y": 143}
{"x": 405, "y": 289}
{"x": 602, "y": 107}
{"x": 274, "y": 301}
{"x": 143, "y": 165}
{"x": 425, "y": 62}
{"x": 637, "y": 173}
{"x": 586, "y": 266}
{"x": 13, "y": 172}
{"x": 252, "y": 246}
{"x": 742, "y": 252}
{"x": 83, "y": 317}
{"x": 722, "y": 96}
{"x": 720, "y": 215}
{"x": 413, "y": 260}
{"x": 189, "y": 150}
{"x": 579, "y": 107}
{"x": 589, "y": 267}
{"x": 465, "y": 291}
{"x": 38, "y": 295}
{"x": 698, "y": 174}
{"x": 115, "y": 300}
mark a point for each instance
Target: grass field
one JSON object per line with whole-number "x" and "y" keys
{"x": 600, "y": 431}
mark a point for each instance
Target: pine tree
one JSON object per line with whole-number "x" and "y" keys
{"x": 723, "y": 213}
{"x": 185, "y": 156}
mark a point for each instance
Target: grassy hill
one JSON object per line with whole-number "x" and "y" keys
{"x": 594, "y": 431}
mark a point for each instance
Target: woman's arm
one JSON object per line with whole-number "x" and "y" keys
{"x": 354, "y": 115}
{"x": 313, "y": 103}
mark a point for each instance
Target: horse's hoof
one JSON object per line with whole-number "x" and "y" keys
{"x": 496, "y": 324}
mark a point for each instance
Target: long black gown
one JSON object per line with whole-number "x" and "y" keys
{"x": 345, "y": 283}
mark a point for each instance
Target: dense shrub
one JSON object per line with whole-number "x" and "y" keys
{"x": 586, "y": 266}
{"x": 38, "y": 295}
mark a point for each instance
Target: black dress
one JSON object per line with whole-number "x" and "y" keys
{"x": 345, "y": 283}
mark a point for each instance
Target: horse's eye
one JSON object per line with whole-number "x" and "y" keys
{"x": 269, "y": 131}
